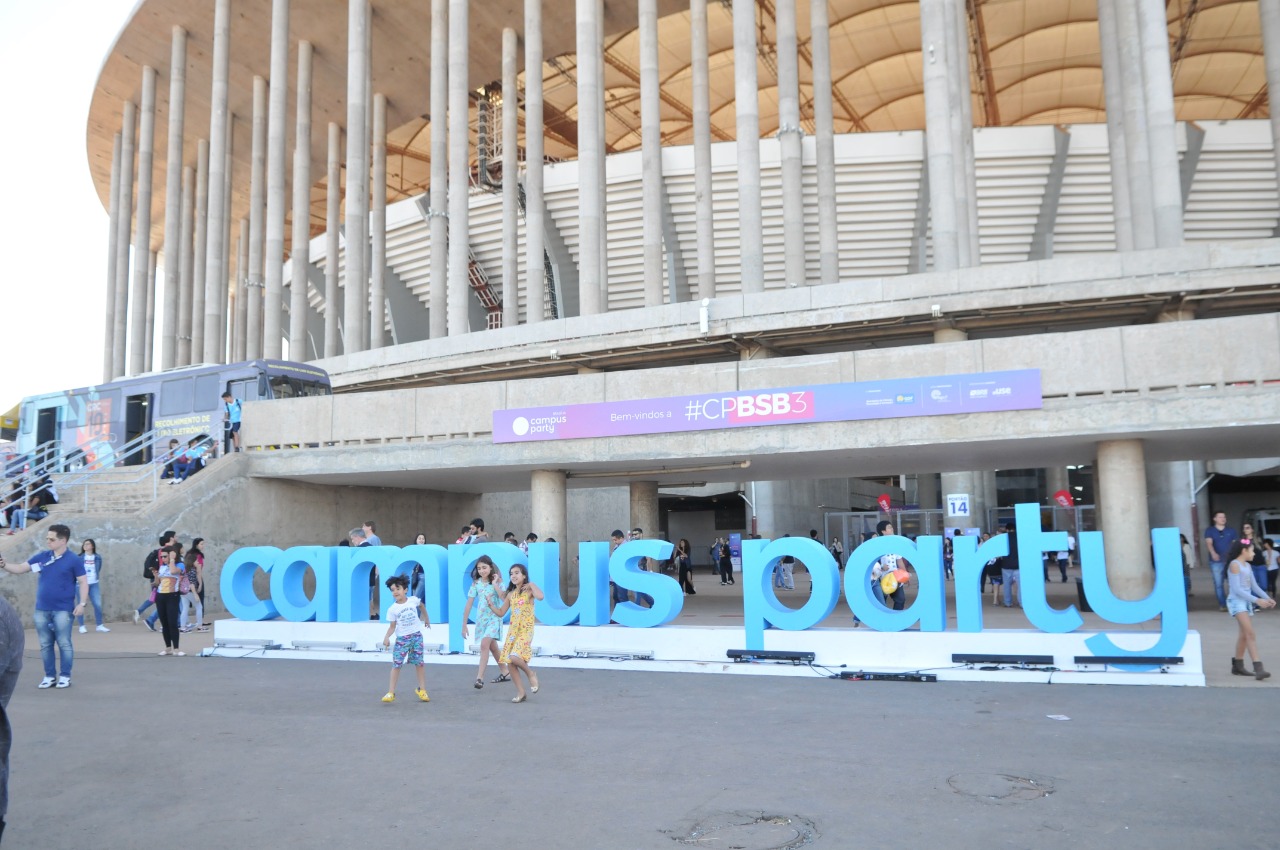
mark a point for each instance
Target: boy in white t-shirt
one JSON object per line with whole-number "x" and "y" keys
{"x": 408, "y": 617}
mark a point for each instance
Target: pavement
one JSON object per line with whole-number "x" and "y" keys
{"x": 216, "y": 752}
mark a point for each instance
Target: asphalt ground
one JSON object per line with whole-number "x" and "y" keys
{"x": 198, "y": 752}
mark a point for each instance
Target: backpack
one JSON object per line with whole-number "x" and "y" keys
{"x": 150, "y": 564}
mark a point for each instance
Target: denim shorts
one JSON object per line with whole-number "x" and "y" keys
{"x": 1235, "y": 606}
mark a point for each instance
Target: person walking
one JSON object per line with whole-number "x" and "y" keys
{"x": 1244, "y": 596}
{"x": 191, "y": 587}
{"x": 168, "y": 577}
{"x": 522, "y": 596}
{"x": 684, "y": 567}
{"x": 12, "y": 643}
{"x": 149, "y": 573}
{"x": 726, "y": 563}
{"x": 486, "y": 593}
{"x": 93, "y": 572}
{"x": 62, "y": 581}
{"x": 1218, "y": 540}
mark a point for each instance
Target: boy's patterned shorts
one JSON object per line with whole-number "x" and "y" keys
{"x": 407, "y": 649}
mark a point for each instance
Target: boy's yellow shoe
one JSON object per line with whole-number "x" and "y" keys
{"x": 390, "y": 697}
{"x": 422, "y": 695}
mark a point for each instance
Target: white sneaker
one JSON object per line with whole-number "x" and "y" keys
{"x": 135, "y": 618}
{"x": 64, "y": 682}
{"x": 83, "y": 630}
{"x": 102, "y": 628}
{"x": 46, "y": 682}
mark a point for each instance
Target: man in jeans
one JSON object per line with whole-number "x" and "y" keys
{"x": 62, "y": 582}
{"x": 1218, "y": 539}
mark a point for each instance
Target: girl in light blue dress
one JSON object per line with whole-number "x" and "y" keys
{"x": 487, "y": 594}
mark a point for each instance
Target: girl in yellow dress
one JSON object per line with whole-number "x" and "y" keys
{"x": 522, "y": 594}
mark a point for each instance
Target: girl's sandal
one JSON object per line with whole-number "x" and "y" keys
{"x": 520, "y": 698}
{"x": 505, "y": 677}
{"x": 479, "y": 684}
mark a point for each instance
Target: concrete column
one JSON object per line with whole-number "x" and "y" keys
{"x": 824, "y": 128}
{"x": 746, "y": 98}
{"x": 534, "y": 235}
{"x": 173, "y": 199}
{"x": 199, "y": 253}
{"x": 186, "y": 231}
{"x": 356, "y": 301}
{"x": 510, "y": 182}
{"x": 1137, "y": 153}
{"x": 378, "y": 228}
{"x": 215, "y": 233}
{"x": 113, "y": 249}
{"x": 459, "y": 168}
{"x": 597, "y": 49}
{"x": 142, "y": 232}
{"x": 148, "y": 344}
{"x": 225, "y": 270}
{"x": 962, "y": 135}
{"x": 1162, "y": 143}
{"x": 1170, "y": 500}
{"x": 590, "y": 209}
{"x": 1122, "y": 515}
{"x": 966, "y": 483}
{"x": 927, "y": 484}
{"x": 300, "y": 243}
{"x": 1112, "y": 87}
{"x": 703, "y": 210}
{"x": 644, "y": 507}
{"x": 1055, "y": 478}
{"x": 439, "y": 187}
{"x": 939, "y": 141}
{"x": 789, "y": 141}
{"x": 244, "y": 293}
{"x": 277, "y": 138}
{"x": 1269, "y": 22}
{"x": 548, "y": 512}
{"x": 332, "y": 225}
{"x": 249, "y": 282}
{"x": 124, "y": 224}
{"x": 651, "y": 152}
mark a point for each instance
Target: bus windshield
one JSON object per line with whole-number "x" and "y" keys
{"x": 287, "y": 387}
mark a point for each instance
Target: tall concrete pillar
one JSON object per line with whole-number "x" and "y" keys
{"x": 216, "y": 235}
{"x": 148, "y": 342}
{"x": 548, "y": 513}
{"x": 1162, "y": 143}
{"x": 249, "y": 283}
{"x": 459, "y": 168}
{"x": 1112, "y": 87}
{"x": 652, "y": 188}
{"x": 300, "y": 243}
{"x": 438, "y": 300}
{"x": 186, "y": 231}
{"x": 590, "y": 208}
{"x": 939, "y": 140}
{"x": 142, "y": 232}
{"x": 199, "y": 252}
{"x": 927, "y": 496}
{"x": 173, "y": 199}
{"x": 244, "y": 293}
{"x": 1137, "y": 153}
{"x": 356, "y": 300}
{"x": 644, "y": 507}
{"x": 534, "y": 235}
{"x": 378, "y": 228}
{"x": 1122, "y": 514}
{"x": 332, "y": 231}
{"x": 970, "y": 484}
{"x": 746, "y": 99}
{"x": 113, "y": 248}
{"x": 277, "y": 138}
{"x": 597, "y": 46}
{"x": 124, "y": 224}
{"x": 824, "y": 131}
{"x": 510, "y": 181}
{"x": 962, "y": 135}
{"x": 703, "y": 210}
{"x": 789, "y": 141}
{"x": 1055, "y": 478}
{"x": 1269, "y": 21}
{"x": 225, "y": 271}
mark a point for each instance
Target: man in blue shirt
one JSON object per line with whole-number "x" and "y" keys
{"x": 232, "y": 418}
{"x": 62, "y": 581}
{"x": 1218, "y": 539}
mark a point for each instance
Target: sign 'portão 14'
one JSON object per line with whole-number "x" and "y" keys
{"x": 342, "y": 584}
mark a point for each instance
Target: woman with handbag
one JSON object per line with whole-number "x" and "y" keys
{"x": 168, "y": 575}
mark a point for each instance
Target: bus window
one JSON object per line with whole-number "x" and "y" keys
{"x": 206, "y": 393}
{"x": 175, "y": 397}
{"x": 244, "y": 390}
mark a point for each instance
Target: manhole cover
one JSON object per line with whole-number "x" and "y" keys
{"x": 751, "y": 831}
{"x": 1000, "y": 787}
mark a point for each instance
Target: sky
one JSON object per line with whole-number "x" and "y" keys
{"x": 53, "y": 228}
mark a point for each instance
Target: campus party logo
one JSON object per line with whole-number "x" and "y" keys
{"x": 342, "y": 584}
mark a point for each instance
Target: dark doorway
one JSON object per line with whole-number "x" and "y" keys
{"x": 137, "y": 421}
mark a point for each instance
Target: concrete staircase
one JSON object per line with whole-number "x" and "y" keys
{"x": 121, "y": 490}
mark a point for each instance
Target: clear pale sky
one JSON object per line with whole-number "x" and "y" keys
{"x": 53, "y": 228}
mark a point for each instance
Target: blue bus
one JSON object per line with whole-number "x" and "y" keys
{"x": 89, "y": 425}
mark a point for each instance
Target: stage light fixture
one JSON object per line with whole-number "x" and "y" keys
{"x": 605, "y": 652}
{"x": 1027, "y": 660}
{"x": 326, "y": 645}
{"x": 744, "y": 655}
{"x": 1129, "y": 660}
{"x": 245, "y": 643}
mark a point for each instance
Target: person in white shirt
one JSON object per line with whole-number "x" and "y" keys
{"x": 93, "y": 572}
{"x": 408, "y": 617}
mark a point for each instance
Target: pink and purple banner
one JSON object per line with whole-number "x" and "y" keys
{"x": 984, "y": 392}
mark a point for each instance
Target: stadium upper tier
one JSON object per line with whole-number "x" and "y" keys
{"x": 1031, "y": 62}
